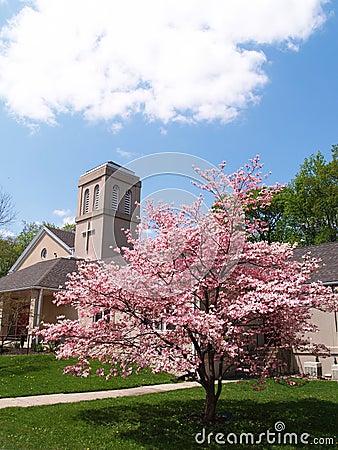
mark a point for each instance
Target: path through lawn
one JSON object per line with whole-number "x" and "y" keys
{"x": 166, "y": 421}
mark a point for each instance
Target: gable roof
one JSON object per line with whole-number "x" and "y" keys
{"x": 53, "y": 273}
{"x": 50, "y": 274}
{"x": 328, "y": 253}
{"x": 68, "y": 237}
{"x": 65, "y": 239}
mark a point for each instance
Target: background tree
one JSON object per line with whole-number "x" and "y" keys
{"x": 195, "y": 294}
{"x": 68, "y": 227}
{"x": 26, "y": 235}
{"x": 312, "y": 198}
{"x": 272, "y": 226}
{"x": 7, "y": 213}
{"x": 12, "y": 247}
{"x": 9, "y": 253}
{"x": 30, "y": 230}
{"x": 305, "y": 211}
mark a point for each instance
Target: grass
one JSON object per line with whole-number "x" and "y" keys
{"x": 164, "y": 421}
{"x": 35, "y": 374}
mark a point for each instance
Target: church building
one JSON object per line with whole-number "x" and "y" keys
{"x": 108, "y": 196}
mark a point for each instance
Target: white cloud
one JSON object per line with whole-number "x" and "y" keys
{"x": 68, "y": 221}
{"x": 5, "y": 233}
{"x": 125, "y": 154}
{"x": 61, "y": 212}
{"x": 64, "y": 214}
{"x": 163, "y": 131}
{"x": 174, "y": 60}
{"x": 116, "y": 127}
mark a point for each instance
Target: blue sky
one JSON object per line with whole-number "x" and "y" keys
{"x": 218, "y": 80}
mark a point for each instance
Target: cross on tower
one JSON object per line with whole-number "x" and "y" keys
{"x": 88, "y": 232}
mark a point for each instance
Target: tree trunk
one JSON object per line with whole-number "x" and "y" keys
{"x": 210, "y": 404}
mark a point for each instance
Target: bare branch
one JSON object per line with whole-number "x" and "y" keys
{"x": 7, "y": 212}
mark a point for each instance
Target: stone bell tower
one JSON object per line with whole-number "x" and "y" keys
{"x": 106, "y": 205}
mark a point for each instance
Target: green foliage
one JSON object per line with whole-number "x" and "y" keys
{"x": 272, "y": 216}
{"x": 305, "y": 211}
{"x": 25, "y": 236}
{"x": 9, "y": 252}
{"x": 69, "y": 227}
{"x": 168, "y": 421}
{"x": 11, "y": 248}
{"x": 39, "y": 348}
{"x": 311, "y": 207}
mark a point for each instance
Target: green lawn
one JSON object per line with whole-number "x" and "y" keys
{"x": 36, "y": 374}
{"x": 164, "y": 421}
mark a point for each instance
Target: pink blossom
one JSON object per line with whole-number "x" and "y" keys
{"x": 196, "y": 296}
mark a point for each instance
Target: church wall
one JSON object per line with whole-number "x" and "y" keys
{"x": 54, "y": 250}
{"x": 302, "y": 358}
{"x": 327, "y": 328}
{"x": 327, "y": 334}
{"x": 50, "y": 311}
{"x": 98, "y": 231}
{"x": 88, "y": 246}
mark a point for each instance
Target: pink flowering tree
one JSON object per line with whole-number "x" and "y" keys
{"x": 195, "y": 295}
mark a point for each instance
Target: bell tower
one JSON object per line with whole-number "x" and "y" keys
{"x": 107, "y": 197}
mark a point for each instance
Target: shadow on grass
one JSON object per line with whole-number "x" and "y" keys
{"x": 169, "y": 425}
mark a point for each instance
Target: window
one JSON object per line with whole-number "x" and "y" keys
{"x": 86, "y": 201}
{"x": 96, "y": 197}
{"x": 102, "y": 315}
{"x": 127, "y": 203}
{"x": 115, "y": 198}
{"x": 43, "y": 253}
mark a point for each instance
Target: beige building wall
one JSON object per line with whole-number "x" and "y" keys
{"x": 327, "y": 334}
{"x": 43, "y": 309}
{"x": 99, "y": 230}
{"x": 50, "y": 312}
{"x": 53, "y": 250}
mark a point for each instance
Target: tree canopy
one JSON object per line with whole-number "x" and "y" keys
{"x": 305, "y": 211}
{"x": 194, "y": 295}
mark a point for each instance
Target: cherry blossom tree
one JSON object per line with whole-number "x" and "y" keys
{"x": 195, "y": 295}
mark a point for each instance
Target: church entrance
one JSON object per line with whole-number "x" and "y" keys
{"x": 15, "y": 318}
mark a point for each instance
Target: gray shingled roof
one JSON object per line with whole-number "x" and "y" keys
{"x": 48, "y": 274}
{"x": 328, "y": 253}
{"x": 68, "y": 237}
{"x": 52, "y": 273}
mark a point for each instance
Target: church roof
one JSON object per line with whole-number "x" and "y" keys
{"x": 68, "y": 237}
{"x": 64, "y": 238}
{"x": 50, "y": 274}
{"x": 328, "y": 253}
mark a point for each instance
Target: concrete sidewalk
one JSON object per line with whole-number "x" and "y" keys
{"x": 53, "y": 399}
